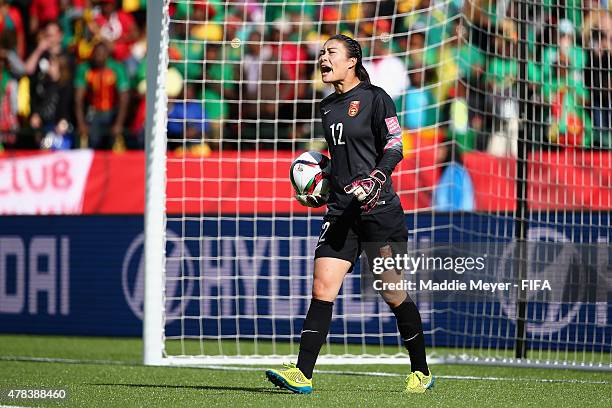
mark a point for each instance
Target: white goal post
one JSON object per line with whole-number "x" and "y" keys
{"x": 155, "y": 189}
{"x": 228, "y": 251}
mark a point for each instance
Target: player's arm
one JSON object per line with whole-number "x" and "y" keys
{"x": 384, "y": 118}
{"x": 389, "y": 135}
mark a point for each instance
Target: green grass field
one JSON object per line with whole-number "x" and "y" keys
{"x": 107, "y": 372}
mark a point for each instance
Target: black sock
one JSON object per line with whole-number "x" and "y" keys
{"x": 314, "y": 332}
{"x": 411, "y": 330}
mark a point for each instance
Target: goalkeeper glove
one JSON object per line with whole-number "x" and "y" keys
{"x": 311, "y": 200}
{"x": 367, "y": 190}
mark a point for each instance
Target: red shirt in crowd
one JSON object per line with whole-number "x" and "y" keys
{"x": 294, "y": 58}
{"x": 116, "y": 28}
{"x": 102, "y": 83}
{"x": 45, "y": 10}
{"x": 12, "y": 21}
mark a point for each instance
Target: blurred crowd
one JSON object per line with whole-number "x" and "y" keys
{"x": 243, "y": 74}
{"x": 66, "y": 72}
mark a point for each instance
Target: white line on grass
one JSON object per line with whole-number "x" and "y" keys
{"x": 447, "y": 377}
{"x": 13, "y": 406}
{"x": 62, "y": 360}
{"x": 335, "y": 372}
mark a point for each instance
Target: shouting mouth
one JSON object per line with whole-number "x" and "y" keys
{"x": 325, "y": 69}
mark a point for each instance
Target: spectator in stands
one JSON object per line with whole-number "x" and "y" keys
{"x": 49, "y": 43}
{"x": 41, "y": 13}
{"x": 14, "y": 63}
{"x": 137, "y": 53}
{"x": 138, "y": 108}
{"x": 192, "y": 10}
{"x": 463, "y": 118}
{"x": 101, "y": 99}
{"x": 387, "y": 71}
{"x": 203, "y": 21}
{"x": 73, "y": 20}
{"x": 260, "y": 101}
{"x": 417, "y": 51}
{"x": 572, "y": 10}
{"x": 253, "y": 12}
{"x": 362, "y": 14}
{"x": 470, "y": 59}
{"x": 455, "y": 190}
{"x": 564, "y": 89}
{"x": 294, "y": 57}
{"x": 114, "y": 26}
{"x": 11, "y": 25}
{"x": 419, "y": 104}
{"x": 432, "y": 16}
{"x": 597, "y": 27}
{"x": 597, "y": 36}
{"x": 51, "y": 89}
{"x": 330, "y": 23}
{"x": 565, "y": 48}
{"x": 482, "y": 20}
{"x": 502, "y": 91}
{"x": 458, "y": 58}
{"x": 502, "y": 70}
{"x": 233, "y": 29}
{"x": 256, "y": 53}
{"x": 187, "y": 124}
{"x": 297, "y": 68}
{"x": 8, "y": 100}
{"x": 219, "y": 88}
{"x": 231, "y": 55}
{"x": 187, "y": 36}
{"x": 461, "y": 89}
{"x": 254, "y": 66}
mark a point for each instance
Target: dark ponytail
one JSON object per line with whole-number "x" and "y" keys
{"x": 354, "y": 51}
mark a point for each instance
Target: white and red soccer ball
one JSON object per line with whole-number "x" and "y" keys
{"x": 310, "y": 173}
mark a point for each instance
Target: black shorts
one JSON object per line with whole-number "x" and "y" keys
{"x": 345, "y": 236}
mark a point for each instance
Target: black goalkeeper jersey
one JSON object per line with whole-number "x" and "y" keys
{"x": 363, "y": 133}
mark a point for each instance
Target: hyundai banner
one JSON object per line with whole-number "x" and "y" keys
{"x": 85, "y": 276}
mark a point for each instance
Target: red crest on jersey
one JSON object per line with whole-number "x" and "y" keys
{"x": 353, "y": 108}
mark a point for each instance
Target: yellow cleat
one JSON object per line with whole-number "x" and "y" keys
{"x": 291, "y": 379}
{"x": 418, "y": 383}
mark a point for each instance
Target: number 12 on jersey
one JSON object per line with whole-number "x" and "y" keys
{"x": 339, "y": 127}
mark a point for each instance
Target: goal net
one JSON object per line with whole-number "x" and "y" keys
{"x": 506, "y": 116}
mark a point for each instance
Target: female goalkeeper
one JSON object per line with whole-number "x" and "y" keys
{"x": 364, "y": 139}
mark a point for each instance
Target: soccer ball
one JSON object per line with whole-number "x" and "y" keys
{"x": 310, "y": 173}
